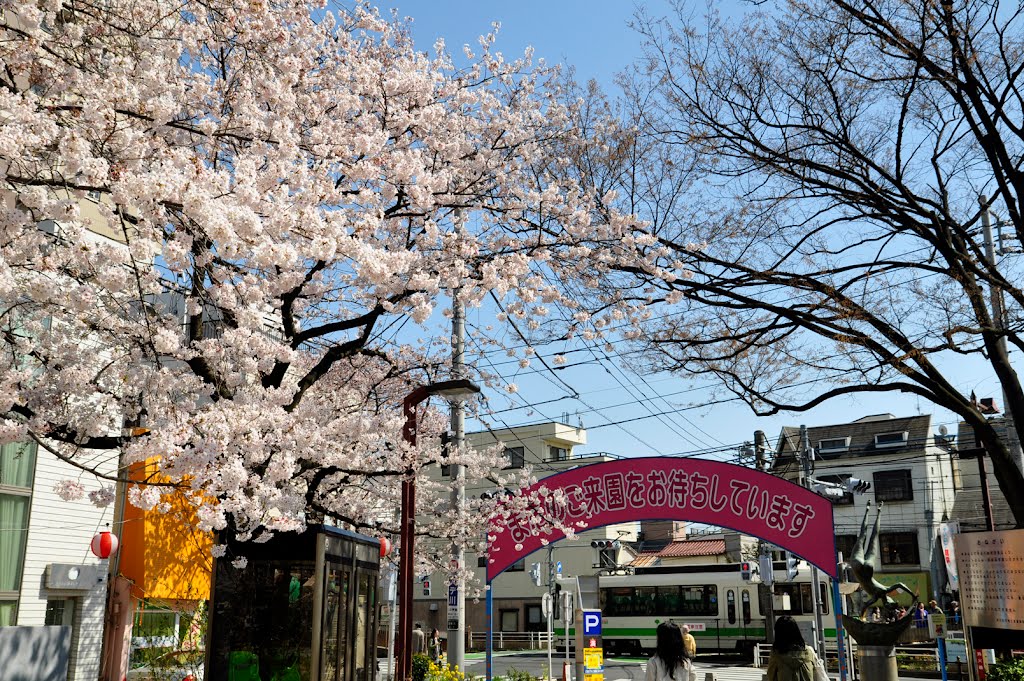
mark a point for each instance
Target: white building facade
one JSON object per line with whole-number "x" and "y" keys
{"x": 48, "y": 574}
{"x": 914, "y": 477}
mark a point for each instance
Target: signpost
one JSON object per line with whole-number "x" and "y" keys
{"x": 937, "y": 630}
{"x": 546, "y": 607}
{"x": 453, "y": 606}
{"x": 567, "y": 618}
{"x": 588, "y": 640}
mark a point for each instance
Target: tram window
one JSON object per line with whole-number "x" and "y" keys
{"x": 644, "y": 600}
{"x": 617, "y": 601}
{"x": 730, "y": 599}
{"x": 746, "y": 606}
{"x": 789, "y": 599}
{"x": 799, "y": 599}
{"x": 667, "y": 601}
{"x": 700, "y": 600}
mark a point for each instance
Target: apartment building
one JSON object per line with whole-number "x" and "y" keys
{"x": 914, "y": 477}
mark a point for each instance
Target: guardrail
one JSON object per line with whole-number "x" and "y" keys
{"x": 512, "y": 640}
{"x": 762, "y": 651}
{"x": 908, "y": 658}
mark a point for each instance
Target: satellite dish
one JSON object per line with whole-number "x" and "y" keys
{"x": 943, "y": 431}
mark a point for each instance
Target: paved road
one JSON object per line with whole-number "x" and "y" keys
{"x": 724, "y": 668}
{"x": 621, "y": 668}
{"x": 615, "y": 668}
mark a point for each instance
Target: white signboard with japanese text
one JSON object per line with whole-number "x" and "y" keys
{"x": 991, "y": 570}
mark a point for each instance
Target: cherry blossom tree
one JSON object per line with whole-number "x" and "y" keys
{"x": 219, "y": 220}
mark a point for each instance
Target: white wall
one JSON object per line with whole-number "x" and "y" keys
{"x": 60, "y": 532}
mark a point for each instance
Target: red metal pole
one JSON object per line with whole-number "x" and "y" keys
{"x": 407, "y": 533}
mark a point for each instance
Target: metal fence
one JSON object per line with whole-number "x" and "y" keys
{"x": 908, "y": 658}
{"x": 512, "y": 640}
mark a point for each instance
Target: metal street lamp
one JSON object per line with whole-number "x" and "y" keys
{"x": 451, "y": 389}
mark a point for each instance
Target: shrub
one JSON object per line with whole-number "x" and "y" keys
{"x": 1007, "y": 671}
{"x": 420, "y": 667}
{"x": 516, "y": 675}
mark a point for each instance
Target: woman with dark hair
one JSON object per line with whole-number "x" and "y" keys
{"x": 670, "y": 661}
{"x": 792, "y": 659}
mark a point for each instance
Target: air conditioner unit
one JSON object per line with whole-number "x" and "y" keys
{"x": 71, "y": 577}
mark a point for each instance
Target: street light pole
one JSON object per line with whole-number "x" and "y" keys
{"x": 407, "y": 531}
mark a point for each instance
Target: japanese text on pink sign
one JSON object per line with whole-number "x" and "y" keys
{"x": 711, "y": 492}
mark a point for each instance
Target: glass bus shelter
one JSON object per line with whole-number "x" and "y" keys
{"x": 304, "y": 608}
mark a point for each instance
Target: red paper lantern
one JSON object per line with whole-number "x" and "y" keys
{"x": 385, "y": 546}
{"x": 104, "y": 545}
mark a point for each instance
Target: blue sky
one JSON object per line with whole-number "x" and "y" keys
{"x": 593, "y": 36}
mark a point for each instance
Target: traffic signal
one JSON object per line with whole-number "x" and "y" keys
{"x": 748, "y": 571}
{"x": 767, "y": 570}
{"x": 426, "y": 586}
{"x": 792, "y": 566}
{"x": 535, "y": 573}
{"x": 602, "y": 544}
{"x": 857, "y": 486}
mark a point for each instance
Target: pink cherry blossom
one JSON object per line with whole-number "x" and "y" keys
{"x": 216, "y": 220}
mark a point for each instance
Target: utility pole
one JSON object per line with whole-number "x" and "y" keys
{"x": 999, "y": 320}
{"x": 457, "y": 624}
{"x": 760, "y": 445}
{"x": 551, "y": 608}
{"x": 805, "y": 455}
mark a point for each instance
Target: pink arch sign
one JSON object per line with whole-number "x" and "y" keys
{"x": 658, "y": 488}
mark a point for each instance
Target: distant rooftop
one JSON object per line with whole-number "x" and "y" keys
{"x": 681, "y": 549}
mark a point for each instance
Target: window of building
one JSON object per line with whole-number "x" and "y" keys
{"x": 518, "y": 566}
{"x": 898, "y": 548}
{"x": 17, "y": 471}
{"x": 509, "y": 620}
{"x": 534, "y": 617}
{"x": 516, "y": 457}
{"x": 893, "y": 485}
{"x": 481, "y": 561}
{"x": 59, "y": 612}
{"x": 558, "y": 453}
{"x": 891, "y": 439}
{"x": 844, "y": 544}
{"x": 834, "y": 445}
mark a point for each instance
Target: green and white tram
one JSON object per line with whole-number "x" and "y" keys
{"x": 724, "y": 613}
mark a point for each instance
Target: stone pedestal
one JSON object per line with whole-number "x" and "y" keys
{"x": 877, "y": 663}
